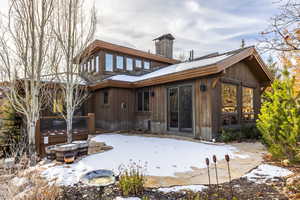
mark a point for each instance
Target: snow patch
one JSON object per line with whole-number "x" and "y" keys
{"x": 162, "y": 157}
{"x": 266, "y": 172}
{"x": 194, "y": 188}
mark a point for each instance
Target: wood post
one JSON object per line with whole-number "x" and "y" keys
{"x": 91, "y": 123}
{"x": 38, "y": 138}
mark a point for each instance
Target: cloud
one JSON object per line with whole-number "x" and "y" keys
{"x": 202, "y": 25}
{"x": 205, "y": 26}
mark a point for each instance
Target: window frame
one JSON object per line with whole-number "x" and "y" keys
{"x": 252, "y": 113}
{"x": 117, "y": 62}
{"x": 138, "y": 61}
{"x": 88, "y": 66}
{"x": 92, "y": 64}
{"x": 149, "y": 64}
{"x": 97, "y": 63}
{"x": 105, "y": 97}
{"x": 131, "y": 69}
{"x": 112, "y": 62}
{"x": 141, "y": 108}
{"x": 230, "y": 118}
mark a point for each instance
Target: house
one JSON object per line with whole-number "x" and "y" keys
{"x": 133, "y": 89}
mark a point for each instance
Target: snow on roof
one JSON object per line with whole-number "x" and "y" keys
{"x": 171, "y": 69}
{"x": 62, "y": 78}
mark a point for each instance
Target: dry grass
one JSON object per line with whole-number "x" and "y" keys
{"x": 132, "y": 180}
{"x": 21, "y": 182}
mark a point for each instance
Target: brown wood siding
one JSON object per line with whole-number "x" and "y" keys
{"x": 158, "y": 106}
{"x": 112, "y": 116}
{"x": 243, "y": 73}
{"x": 203, "y": 108}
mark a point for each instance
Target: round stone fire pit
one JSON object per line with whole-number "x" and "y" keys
{"x": 99, "y": 178}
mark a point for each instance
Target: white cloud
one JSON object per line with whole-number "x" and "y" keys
{"x": 199, "y": 25}
{"x": 203, "y": 25}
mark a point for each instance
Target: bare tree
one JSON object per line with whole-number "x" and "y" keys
{"x": 283, "y": 33}
{"x": 26, "y": 52}
{"x": 74, "y": 28}
{"x": 283, "y": 37}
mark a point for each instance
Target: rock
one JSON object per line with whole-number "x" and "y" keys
{"x": 93, "y": 150}
{"x": 96, "y": 144}
{"x": 96, "y": 147}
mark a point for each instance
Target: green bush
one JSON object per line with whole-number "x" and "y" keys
{"x": 132, "y": 180}
{"x": 279, "y": 121}
{"x": 243, "y": 133}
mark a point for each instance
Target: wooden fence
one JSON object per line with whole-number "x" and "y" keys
{"x": 51, "y": 130}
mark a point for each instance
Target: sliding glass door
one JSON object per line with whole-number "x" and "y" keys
{"x": 180, "y": 108}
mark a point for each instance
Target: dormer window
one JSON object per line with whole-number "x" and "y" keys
{"x": 146, "y": 65}
{"x": 108, "y": 62}
{"x": 88, "y": 66}
{"x": 97, "y": 63}
{"x": 138, "y": 63}
{"x": 92, "y": 65}
{"x": 129, "y": 64}
{"x": 120, "y": 62}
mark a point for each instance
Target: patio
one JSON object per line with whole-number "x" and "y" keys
{"x": 168, "y": 161}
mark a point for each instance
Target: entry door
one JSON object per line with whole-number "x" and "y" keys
{"x": 180, "y": 106}
{"x": 186, "y": 109}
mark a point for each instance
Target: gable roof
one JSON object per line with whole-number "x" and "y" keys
{"x": 97, "y": 45}
{"x": 206, "y": 65}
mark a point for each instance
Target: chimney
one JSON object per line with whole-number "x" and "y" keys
{"x": 164, "y": 45}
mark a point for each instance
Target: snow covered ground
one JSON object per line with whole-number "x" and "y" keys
{"x": 194, "y": 188}
{"x": 266, "y": 172}
{"x": 162, "y": 157}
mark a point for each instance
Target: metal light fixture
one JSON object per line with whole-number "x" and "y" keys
{"x": 202, "y": 88}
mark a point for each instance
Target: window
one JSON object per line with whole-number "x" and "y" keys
{"x": 108, "y": 62}
{"x": 146, "y": 101}
{"x": 146, "y": 65}
{"x": 248, "y": 109}
{"x": 97, "y": 63}
{"x": 129, "y": 64}
{"x": 88, "y": 66}
{"x": 143, "y": 100}
{"x": 105, "y": 97}
{"x": 84, "y": 68}
{"x": 140, "y": 101}
{"x": 81, "y": 67}
{"x": 229, "y": 104}
{"x": 120, "y": 62}
{"x": 92, "y": 65}
{"x": 138, "y": 63}
{"x": 57, "y": 104}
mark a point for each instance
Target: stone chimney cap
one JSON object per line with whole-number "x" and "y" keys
{"x": 167, "y": 36}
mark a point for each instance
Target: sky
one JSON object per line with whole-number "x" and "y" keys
{"x": 204, "y": 26}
